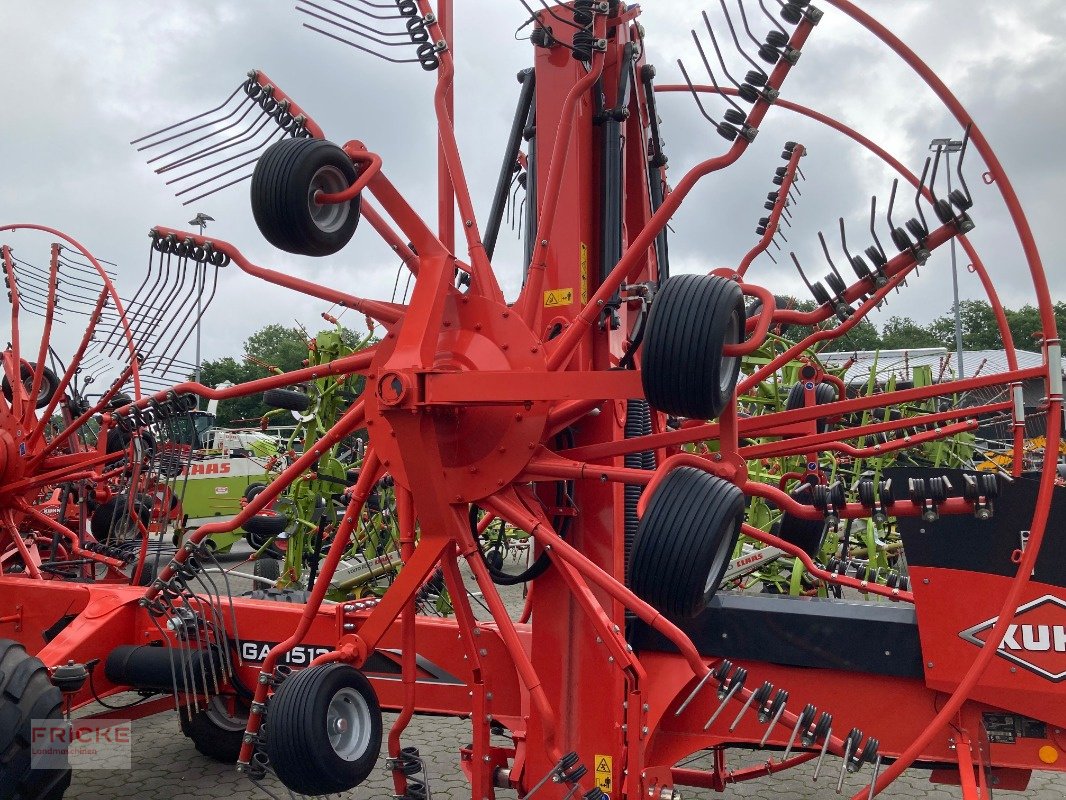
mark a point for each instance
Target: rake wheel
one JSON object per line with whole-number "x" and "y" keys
{"x": 46, "y": 442}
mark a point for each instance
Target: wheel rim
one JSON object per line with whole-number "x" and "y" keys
{"x": 348, "y": 724}
{"x": 727, "y": 375}
{"x": 221, "y": 717}
{"x": 720, "y": 558}
{"x": 328, "y": 217}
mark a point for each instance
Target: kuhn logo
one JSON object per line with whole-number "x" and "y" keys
{"x": 1035, "y": 639}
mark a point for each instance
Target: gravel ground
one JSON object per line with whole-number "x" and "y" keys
{"x": 165, "y": 765}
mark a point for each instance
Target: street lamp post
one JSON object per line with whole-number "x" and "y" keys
{"x": 200, "y": 221}
{"x": 949, "y": 146}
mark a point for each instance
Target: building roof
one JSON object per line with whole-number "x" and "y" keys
{"x": 901, "y": 363}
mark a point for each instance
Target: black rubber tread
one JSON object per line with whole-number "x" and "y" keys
{"x": 638, "y": 423}
{"x": 279, "y": 595}
{"x": 147, "y": 572}
{"x": 806, "y": 534}
{"x": 47, "y": 390}
{"x": 287, "y": 399}
{"x": 279, "y": 188}
{"x": 823, "y": 393}
{"x": 252, "y": 489}
{"x": 26, "y": 694}
{"x": 781, "y": 303}
{"x": 265, "y": 567}
{"x": 210, "y": 739}
{"x": 686, "y": 329}
{"x": 263, "y": 526}
{"x": 688, "y": 531}
{"x": 110, "y": 512}
{"x": 297, "y": 743}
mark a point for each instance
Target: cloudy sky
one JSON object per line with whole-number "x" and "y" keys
{"x": 80, "y": 80}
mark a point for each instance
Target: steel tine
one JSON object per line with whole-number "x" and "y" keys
{"x": 873, "y": 228}
{"x": 936, "y": 170}
{"x": 367, "y": 13}
{"x": 234, "y": 143}
{"x": 203, "y": 310}
{"x": 892, "y": 204}
{"x": 774, "y": 720}
{"x": 829, "y": 258}
{"x": 792, "y": 738}
{"x": 873, "y": 781}
{"x": 962, "y": 157}
{"x": 918, "y": 195}
{"x": 718, "y": 50}
{"x": 844, "y": 764}
{"x": 219, "y": 107}
{"x": 361, "y": 47}
{"x": 146, "y": 324}
{"x": 354, "y": 22}
{"x": 747, "y": 27}
{"x": 273, "y": 136}
{"x": 743, "y": 710}
{"x": 175, "y": 323}
{"x": 141, "y": 288}
{"x": 212, "y": 178}
{"x": 821, "y": 754}
{"x": 802, "y": 275}
{"x": 710, "y": 73}
{"x": 736, "y": 39}
{"x": 350, "y": 29}
{"x": 236, "y": 138}
{"x": 247, "y": 103}
{"x": 695, "y": 94}
{"x": 217, "y": 189}
{"x": 692, "y": 695}
{"x": 773, "y": 20}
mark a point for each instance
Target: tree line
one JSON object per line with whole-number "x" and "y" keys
{"x": 275, "y": 347}
{"x": 285, "y": 348}
{"x": 980, "y": 331}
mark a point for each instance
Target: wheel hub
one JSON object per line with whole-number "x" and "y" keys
{"x": 482, "y": 447}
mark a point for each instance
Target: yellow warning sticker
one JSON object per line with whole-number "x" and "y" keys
{"x": 605, "y": 773}
{"x": 584, "y": 273}
{"x": 558, "y": 297}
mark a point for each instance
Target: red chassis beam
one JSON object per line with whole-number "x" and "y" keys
{"x": 895, "y": 710}
{"x": 105, "y": 617}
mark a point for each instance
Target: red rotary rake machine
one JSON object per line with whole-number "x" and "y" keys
{"x": 568, "y": 413}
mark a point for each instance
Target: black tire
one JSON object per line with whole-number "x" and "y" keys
{"x": 253, "y": 489}
{"x": 147, "y": 572}
{"x": 279, "y": 595}
{"x": 806, "y": 534}
{"x": 111, "y": 518}
{"x": 823, "y": 393}
{"x": 638, "y": 423}
{"x": 47, "y": 390}
{"x": 685, "y": 541}
{"x": 781, "y": 303}
{"x": 262, "y": 527}
{"x": 269, "y": 568}
{"x": 283, "y": 185}
{"x": 214, "y": 731}
{"x": 287, "y": 399}
{"x": 683, "y": 370}
{"x": 26, "y": 694}
{"x": 298, "y": 743}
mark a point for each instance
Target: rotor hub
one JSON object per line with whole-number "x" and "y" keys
{"x": 482, "y": 446}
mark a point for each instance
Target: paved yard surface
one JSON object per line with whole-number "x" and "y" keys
{"x": 167, "y": 767}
